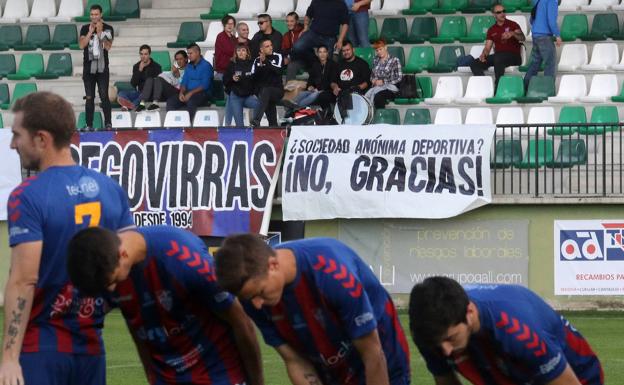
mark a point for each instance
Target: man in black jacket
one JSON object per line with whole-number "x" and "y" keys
{"x": 146, "y": 68}
{"x": 267, "y": 72}
{"x": 265, "y": 23}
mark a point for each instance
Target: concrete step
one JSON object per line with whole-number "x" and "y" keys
{"x": 149, "y": 30}
{"x": 167, "y": 4}
{"x": 167, "y": 13}
{"x": 153, "y": 41}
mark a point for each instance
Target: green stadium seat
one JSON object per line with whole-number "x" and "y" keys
{"x": 452, "y": 28}
{"x": 366, "y": 53}
{"x": 106, "y": 11}
{"x": 478, "y": 29}
{"x": 65, "y": 35}
{"x": 387, "y": 116}
{"x": 162, "y": 58}
{"x": 569, "y": 115}
{"x": 10, "y": 36}
{"x": 479, "y": 6}
{"x": 123, "y": 86}
{"x": 5, "y": 97}
{"x": 7, "y": 64}
{"x": 423, "y": 29}
{"x": 59, "y": 64}
{"x": 420, "y": 7}
{"x": 539, "y": 153}
{"x": 394, "y": 29}
{"x": 509, "y": 88}
{"x": 281, "y": 26}
{"x": 574, "y": 26}
{"x": 601, "y": 114}
{"x": 540, "y": 88}
{"x": 20, "y": 90}
{"x": 571, "y": 152}
{"x": 36, "y": 37}
{"x": 514, "y": 5}
{"x": 219, "y": 9}
{"x": 506, "y": 153}
{"x": 190, "y": 32}
{"x": 421, "y": 58}
{"x": 1, "y": 122}
{"x": 605, "y": 25}
{"x": 417, "y": 116}
{"x": 128, "y": 9}
{"x": 426, "y": 86}
{"x": 97, "y": 121}
{"x": 450, "y": 6}
{"x": 373, "y": 30}
{"x": 447, "y": 59}
{"x": 398, "y": 52}
{"x": 31, "y": 64}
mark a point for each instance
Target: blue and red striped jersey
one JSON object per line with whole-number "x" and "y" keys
{"x": 334, "y": 299}
{"x": 51, "y": 207}
{"x": 170, "y": 302}
{"x": 522, "y": 340}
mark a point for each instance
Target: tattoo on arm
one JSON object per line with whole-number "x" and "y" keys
{"x": 16, "y": 320}
{"x": 312, "y": 379}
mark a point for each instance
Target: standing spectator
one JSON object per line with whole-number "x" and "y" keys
{"x": 544, "y": 28}
{"x": 358, "y": 22}
{"x": 195, "y": 85}
{"x": 385, "y": 77}
{"x": 267, "y": 72}
{"x": 321, "y": 75}
{"x": 238, "y": 78}
{"x": 294, "y": 31}
{"x": 96, "y": 39}
{"x": 506, "y": 37}
{"x": 165, "y": 85}
{"x": 265, "y": 22}
{"x": 352, "y": 75}
{"x": 324, "y": 20}
{"x": 242, "y": 30}
{"x": 225, "y": 46}
{"x": 145, "y": 69}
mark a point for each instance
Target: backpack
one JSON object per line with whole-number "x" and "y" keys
{"x": 410, "y": 88}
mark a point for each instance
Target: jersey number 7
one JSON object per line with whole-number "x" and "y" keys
{"x": 92, "y": 209}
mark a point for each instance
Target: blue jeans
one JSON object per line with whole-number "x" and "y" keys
{"x": 358, "y": 29}
{"x": 305, "y": 98}
{"x": 191, "y": 105}
{"x": 237, "y": 103}
{"x": 131, "y": 95}
{"x": 228, "y": 111}
{"x": 303, "y": 48}
{"x": 543, "y": 49}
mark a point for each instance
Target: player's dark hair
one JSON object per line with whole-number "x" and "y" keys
{"x": 240, "y": 258}
{"x": 265, "y": 16}
{"x": 227, "y": 18}
{"x": 96, "y": 6}
{"x": 46, "y": 111}
{"x": 145, "y": 46}
{"x": 181, "y": 52}
{"x": 435, "y": 305}
{"x": 193, "y": 46}
{"x": 92, "y": 257}
{"x": 294, "y": 14}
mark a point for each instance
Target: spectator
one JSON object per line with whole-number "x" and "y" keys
{"x": 195, "y": 85}
{"x": 351, "y": 75}
{"x": 165, "y": 85}
{"x": 266, "y": 32}
{"x": 324, "y": 20}
{"x": 321, "y": 75}
{"x": 506, "y": 37}
{"x": 294, "y": 31}
{"x": 267, "y": 73}
{"x": 242, "y": 30}
{"x": 145, "y": 69}
{"x": 385, "y": 77}
{"x": 544, "y": 27}
{"x": 358, "y": 22}
{"x": 96, "y": 39}
{"x": 238, "y": 79}
{"x": 225, "y": 46}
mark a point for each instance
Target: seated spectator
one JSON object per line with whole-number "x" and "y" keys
{"x": 324, "y": 20}
{"x": 265, "y": 22}
{"x": 385, "y": 76}
{"x": 242, "y": 31}
{"x": 267, "y": 76}
{"x": 321, "y": 75}
{"x": 239, "y": 80}
{"x": 225, "y": 45}
{"x": 167, "y": 84}
{"x": 294, "y": 31}
{"x": 195, "y": 85}
{"x": 358, "y": 22}
{"x": 506, "y": 37}
{"x": 352, "y": 74}
{"x": 145, "y": 69}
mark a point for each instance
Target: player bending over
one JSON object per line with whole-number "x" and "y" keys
{"x": 186, "y": 328}
{"x": 321, "y": 307}
{"x": 496, "y": 335}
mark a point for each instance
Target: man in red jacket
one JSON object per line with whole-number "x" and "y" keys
{"x": 288, "y": 41}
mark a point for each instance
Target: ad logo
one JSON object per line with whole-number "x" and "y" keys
{"x": 599, "y": 244}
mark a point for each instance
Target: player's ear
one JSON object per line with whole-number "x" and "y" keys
{"x": 273, "y": 262}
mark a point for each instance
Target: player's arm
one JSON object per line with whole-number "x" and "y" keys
{"x": 447, "y": 379}
{"x": 300, "y": 370}
{"x": 19, "y": 293}
{"x": 566, "y": 378}
{"x": 246, "y": 341}
{"x": 373, "y": 357}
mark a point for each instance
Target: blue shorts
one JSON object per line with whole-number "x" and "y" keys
{"x": 52, "y": 368}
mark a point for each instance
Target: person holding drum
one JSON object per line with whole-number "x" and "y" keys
{"x": 385, "y": 76}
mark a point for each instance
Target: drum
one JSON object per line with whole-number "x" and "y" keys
{"x": 362, "y": 112}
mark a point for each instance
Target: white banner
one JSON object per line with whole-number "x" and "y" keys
{"x": 589, "y": 257}
{"x": 10, "y": 170}
{"x": 386, "y": 171}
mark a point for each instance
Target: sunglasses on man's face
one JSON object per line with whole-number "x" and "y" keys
{"x": 261, "y": 22}
{"x": 499, "y": 12}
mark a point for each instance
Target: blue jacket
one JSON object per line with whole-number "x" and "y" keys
{"x": 545, "y": 23}
{"x": 199, "y": 75}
